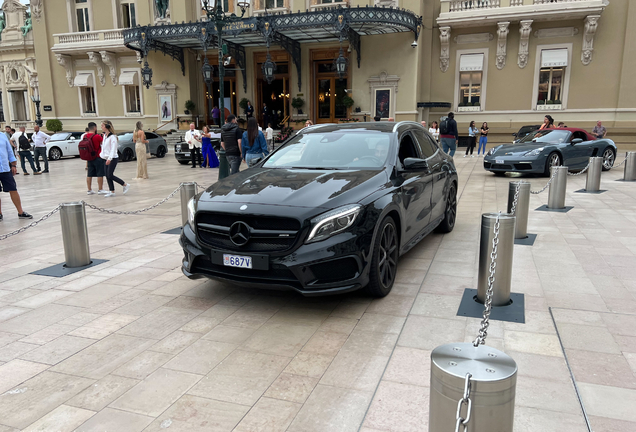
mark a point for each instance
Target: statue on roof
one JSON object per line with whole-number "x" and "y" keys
{"x": 162, "y": 8}
{"x": 3, "y": 24}
{"x": 28, "y": 25}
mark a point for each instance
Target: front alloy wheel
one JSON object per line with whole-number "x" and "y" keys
{"x": 385, "y": 259}
{"x": 608, "y": 159}
{"x": 554, "y": 160}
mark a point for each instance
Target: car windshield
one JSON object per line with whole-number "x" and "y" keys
{"x": 59, "y": 136}
{"x": 125, "y": 136}
{"x": 547, "y": 136}
{"x": 333, "y": 150}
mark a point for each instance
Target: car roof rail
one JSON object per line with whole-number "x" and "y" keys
{"x": 405, "y": 122}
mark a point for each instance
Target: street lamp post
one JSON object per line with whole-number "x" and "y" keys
{"x": 36, "y": 100}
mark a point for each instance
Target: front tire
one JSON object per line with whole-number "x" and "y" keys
{"x": 450, "y": 213}
{"x": 554, "y": 160}
{"x": 161, "y": 152}
{"x": 127, "y": 155}
{"x": 385, "y": 259}
{"x": 55, "y": 153}
{"x": 609, "y": 157}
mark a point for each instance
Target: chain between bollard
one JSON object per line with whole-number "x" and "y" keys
{"x": 580, "y": 172}
{"x": 513, "y": 209}
{"x": 616, "y": 166}
{"x": 103, "y": 210}
{"x": 485, "y": 322}
{"x": 546, "y": 185}
{"x": 32, "y": 224}
{"x": 462, "y": 422}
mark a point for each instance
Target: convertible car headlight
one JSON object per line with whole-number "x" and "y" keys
{"x": 177, "y": 147}
{"x": 191, "y": 210}
{"x": 333, "y": 222}
{"x": 492, "y": 151}
{"x": 535, "y": 152}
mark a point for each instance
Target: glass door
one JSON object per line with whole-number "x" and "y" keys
{"x": 324, "y": 100}
{"x": 329, "y": 93}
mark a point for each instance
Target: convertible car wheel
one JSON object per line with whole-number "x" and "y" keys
{"x": 554, "y": 160}
{"x": 450, "y": 214}
{"x": 608, "y": 159}
{"x": 55, "y": 154}
{"x": 385, "y": 258}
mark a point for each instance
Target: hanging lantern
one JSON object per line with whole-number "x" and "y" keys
{"x": 146, "y": 74}
{"x": 341, "y": 65}
{"x": 207, "y": 72}
{"x": 268, "y": 69}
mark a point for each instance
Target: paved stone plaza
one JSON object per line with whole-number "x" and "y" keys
{"x": 132, "y": 345}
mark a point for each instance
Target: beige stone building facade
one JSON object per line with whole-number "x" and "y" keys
{"x": 507, "y": 62}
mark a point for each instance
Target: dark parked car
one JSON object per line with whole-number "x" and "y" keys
{"x": 126, "y": 149}
{"x": 523, "y": 131}
{"x": 537, "y": 152}
{"x": 182, "y": 148}
{"x": 329, "y": 211}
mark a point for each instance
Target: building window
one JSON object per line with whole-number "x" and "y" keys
{"x": 228, "y": 6}
{"x": 88, "y": 100}
{"x": 1, "y": 109}
{"x": 128, "y": 16}
{"x": 271, "y": 4}
{"x": 19, "y": 105}
{"x": 133, "y": 99}
{"x": 551, "y": 75}
{"x": 81, "y": 11}
{"x": 470, "y": 79}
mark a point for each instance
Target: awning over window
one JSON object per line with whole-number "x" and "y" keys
{"x": 554, "y": 57}
{"x": 83, "y": 80}
{"x": 471, "y": 62}
{"x": 129, "y": 78}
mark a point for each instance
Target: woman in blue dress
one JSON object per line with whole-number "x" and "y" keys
{"x": 253, "y": 143}
{"x": 209, "y": 155}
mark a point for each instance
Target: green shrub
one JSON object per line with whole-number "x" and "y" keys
{"x": 189, "y": 105}
{"x": 243, "y": 103}
{"x": 347, "y": 101}
{"x": 53, "y": 125}
{"x": 298, "y": 102}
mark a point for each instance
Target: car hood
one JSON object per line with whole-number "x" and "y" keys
{"x": 324, "y": 189}
{"x": 518, "y": 149}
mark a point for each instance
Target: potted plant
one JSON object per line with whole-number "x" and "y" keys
{"x": 53, "y": 125}
{"x": 347, "y": 101}
{"x": 557, "y": 101}
{"x": 298, "y": 103}
{"x": 189, "y": 106}
{"x": 243, "y": 104}
{"x": 475, "y": 103}
{"x": 550, "y": 102}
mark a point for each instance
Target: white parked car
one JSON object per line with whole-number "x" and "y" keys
{"x": 63, "y": 144}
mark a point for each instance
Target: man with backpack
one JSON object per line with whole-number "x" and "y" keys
{"x": 448, "y": 134}
{"x": 21, "y": 141}
{"x": 39, "y": 140}
{"x": 89, "y": 149}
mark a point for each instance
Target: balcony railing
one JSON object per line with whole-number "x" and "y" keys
{"x": 99, "y": 39}
{"x": 467, "y": 5}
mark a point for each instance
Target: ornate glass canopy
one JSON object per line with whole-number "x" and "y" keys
{"x": 286, "y": 30}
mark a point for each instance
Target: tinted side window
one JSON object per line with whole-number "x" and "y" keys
{"x": 426, "y": 146}
{"x": 150, "y": 135}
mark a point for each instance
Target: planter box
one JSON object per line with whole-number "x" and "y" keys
{"x": 549, "y": 107}
{"x": 468, "y": 108}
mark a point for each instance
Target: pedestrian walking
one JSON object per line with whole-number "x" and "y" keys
{"x": 90, "y": 148}
{"x": 269, "y": 136}
{"x": 141, "y": 149}
{"x": 21, "y": 142}
{"x": 434, "y": 130}
{"x": 599, "y": 130}
{"x": 81, "y": 138}
{"x": 231, "y": 142}
{"x": 209, "y": 155}
{"x": 483, "y": 138}
{"x": 472, "y": 135}
{"x": 265, "y": 112}
{"x": 8, "y": 169}
{"x": 253, "y": 142}
{"x": 249, "y": 110}
{"x": 448, "y": 134}
{"x": 193, "y": 138}
{"x": 548, "y": 122}
{"x": 40, "y": 139}
{"x": 216, "y": 116}
{"x": 109, "y": 154}
{"x": 9, "y": 134}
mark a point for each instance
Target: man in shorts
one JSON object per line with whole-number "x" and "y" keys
{"x": 96, "y": 167}
{"x": 8, "y": 168}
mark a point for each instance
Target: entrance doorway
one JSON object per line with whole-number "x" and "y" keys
{"x": 229, "y": 89}
{"x": 276, "y": 94}
{"x": 328, "y": 88}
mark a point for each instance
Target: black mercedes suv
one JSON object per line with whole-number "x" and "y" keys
{"x": 330, "y": 211}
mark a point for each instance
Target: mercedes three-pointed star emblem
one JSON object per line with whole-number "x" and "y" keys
{"x": 240, "y": 233}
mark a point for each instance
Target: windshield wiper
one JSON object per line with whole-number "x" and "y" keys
{"x": 315, "y": 168}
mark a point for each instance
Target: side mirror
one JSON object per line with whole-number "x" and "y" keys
{"x": 514, "y": 134}
{"x": 576, "y": 141}
{"x": 415, "y": 164}
{"x": 254, "y": 162}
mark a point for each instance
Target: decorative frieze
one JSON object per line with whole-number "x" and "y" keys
{"x": 67, "y": 63}
{"x": 444, "y": 39}
{"x": 96, "y": 60}
{"x": 556, "y": 32}
{"x": 591, "y": 23}
{"x": 525, "y": 28}
{"x": 502, "y": 43}
{"x": 473, "y": 38}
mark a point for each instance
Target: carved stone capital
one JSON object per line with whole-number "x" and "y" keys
{"x": 96, "y": 59}
{"x": 525, "y": 28}
{"x": 36, "y": 9}
{"x": 591, "y": 23}
{"x": 67, "y": 63}
{"x": 444, "y": 39}
{"x": 502, "y": 43}
{"x": 110, "y": 59}
{"x": 139, "y": 57}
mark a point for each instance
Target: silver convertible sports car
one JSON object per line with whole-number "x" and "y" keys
{"x": 537, "y": 152}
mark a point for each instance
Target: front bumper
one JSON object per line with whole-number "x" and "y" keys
{"x": 520, "y": 164}
{"x": 336, "y": 265}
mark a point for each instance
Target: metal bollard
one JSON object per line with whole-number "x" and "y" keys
{"x": 522, "y": 208}
{"x": 630, "y": 167}
{"x": 593, "y": 179}
{"x": 188, "y": 190}
{"x": 556, "y": 194}
{"x": 75, "y": 234}
{"x": 492, "y": 388}
{"x": 503, "y": 275}
{"x": 224, "y": 166}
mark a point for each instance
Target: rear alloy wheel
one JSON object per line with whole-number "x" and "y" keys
{"x": 450, "y": 214}
{"x": 55, "y": 153}
{"x": 554, "y": 160}
{"x": 385, "y": 259}
{"x": 128, "y": 155}
{"x": 608, "y": 159}
{"x": 161, "y": 152}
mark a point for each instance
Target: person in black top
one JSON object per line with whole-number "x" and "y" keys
{"x": 249, "y": 111}
{"x": 231, "y": 142}
{"x": 448, "y": 134}
{"x": 265, "y": 112}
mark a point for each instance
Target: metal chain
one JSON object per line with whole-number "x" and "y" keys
{"x": 103, "y": 210}
{"x": 515, "y": 200}
{"x": 485, "y": 322}
{"x": 462, "y": 422}
{"x": 547, "y": 184}
{"x": 580, "y": 172}
{"x": 624, "y": 160}
{"x": 32, "y": 224}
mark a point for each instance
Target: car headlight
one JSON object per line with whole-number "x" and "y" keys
{"x": 534, "y": 152}
{"x": 191, "y": 210}
{"x": 333, "y": 222}
{"x": 492, "y": 151}
{"x": 177, "y": 147}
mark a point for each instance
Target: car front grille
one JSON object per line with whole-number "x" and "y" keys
{"x": 523, "y": 167}
{"x": 501, "y": 166}
{"x": 267, "y": 234}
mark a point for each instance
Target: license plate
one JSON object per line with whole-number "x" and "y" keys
{"x": 237, "y": 261}
{"x": 499, "y": 161}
